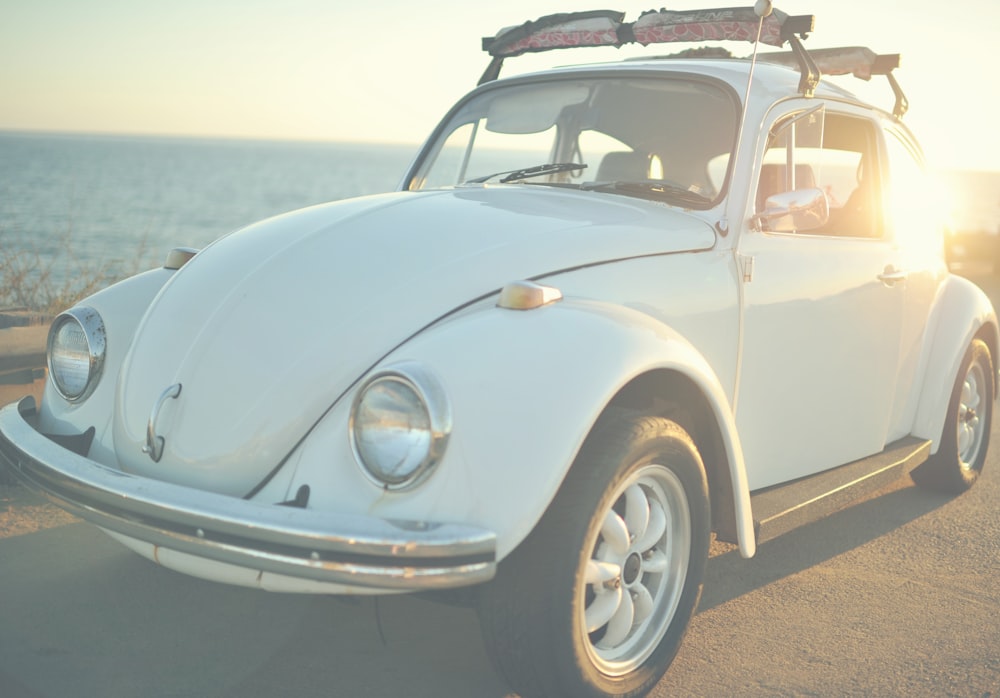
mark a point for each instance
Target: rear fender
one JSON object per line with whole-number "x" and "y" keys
{"x": 961, "y": 313}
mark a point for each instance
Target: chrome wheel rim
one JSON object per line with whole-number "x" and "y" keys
{"x": 971, "y": 427}
{"x": 633, "y": 580}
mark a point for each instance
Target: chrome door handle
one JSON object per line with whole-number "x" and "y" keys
{"x": 891, "y": 276}
{"x": 154, "y": 443}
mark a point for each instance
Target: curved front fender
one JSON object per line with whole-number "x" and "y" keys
{"x": 525, "y": 387}
{"x": 121, "y": 307}
{"x": 961, "y": 312}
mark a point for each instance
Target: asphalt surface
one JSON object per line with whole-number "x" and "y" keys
{"x": 898, "y": 595}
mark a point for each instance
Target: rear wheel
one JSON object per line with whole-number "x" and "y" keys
{"x": 597, "y": 598}
{"x": 966, "y": 437}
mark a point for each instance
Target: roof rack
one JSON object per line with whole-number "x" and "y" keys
{"x": 858, "y": 61}
{"x": 608, "y": 28}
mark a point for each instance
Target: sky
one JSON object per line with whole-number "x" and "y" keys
{"x": 386, "y": 71}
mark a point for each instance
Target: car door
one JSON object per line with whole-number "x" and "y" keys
{"x": 821, "y": 308}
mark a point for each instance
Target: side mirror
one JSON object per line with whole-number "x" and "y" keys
{"x": 794, "y": 211}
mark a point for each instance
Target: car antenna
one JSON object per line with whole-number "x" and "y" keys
{"x": 763, "y": 9}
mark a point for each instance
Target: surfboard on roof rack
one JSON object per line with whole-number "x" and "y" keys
{"x": 608, "y": 28}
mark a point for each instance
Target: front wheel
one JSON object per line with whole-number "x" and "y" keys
{"x": 596, "y": 600}
{"x": 962, "y": 452}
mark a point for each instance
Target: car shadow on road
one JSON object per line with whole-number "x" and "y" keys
{"x": 92, "y": 618}
{"x": 730, "y": 576}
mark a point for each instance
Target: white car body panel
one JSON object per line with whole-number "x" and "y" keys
{"x": 541, "y": 407}
{"x": 532, "y": 359}
{"x": 269, "y": 379}
{"x": 796, "y": 413}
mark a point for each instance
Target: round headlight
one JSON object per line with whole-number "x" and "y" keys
{"x": 400, "y": 424}
{"x": 76, "y": 350}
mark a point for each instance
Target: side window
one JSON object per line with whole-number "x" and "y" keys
{"x": 833, "y": 152}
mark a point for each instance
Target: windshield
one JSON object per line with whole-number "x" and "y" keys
{"x": 661, "y": 138}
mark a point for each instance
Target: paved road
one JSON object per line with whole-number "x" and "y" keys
{"x": 896, "y": 596}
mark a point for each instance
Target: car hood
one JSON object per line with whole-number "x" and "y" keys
{"x": 267, "y": 327}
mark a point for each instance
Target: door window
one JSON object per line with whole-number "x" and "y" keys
{"x": 833, "y": 152}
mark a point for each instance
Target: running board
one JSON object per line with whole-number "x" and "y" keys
{"x": 779, "y": 509}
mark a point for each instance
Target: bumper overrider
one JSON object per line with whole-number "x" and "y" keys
{"x": 356, "y": 550}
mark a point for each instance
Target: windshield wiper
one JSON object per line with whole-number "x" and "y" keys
{"x": 536, "y": 171}
{"x": 661, "y": 190}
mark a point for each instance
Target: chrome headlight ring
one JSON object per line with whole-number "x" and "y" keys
{"x": 75, "y": 352}
{"x": 399, "y": 426}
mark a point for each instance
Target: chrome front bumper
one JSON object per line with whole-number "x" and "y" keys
{"x": 355, "y": 550}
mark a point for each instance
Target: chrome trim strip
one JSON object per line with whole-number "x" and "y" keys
{"x": 348, "y": 549}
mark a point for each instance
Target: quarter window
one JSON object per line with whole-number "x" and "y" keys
{"x": 917, "y": 205}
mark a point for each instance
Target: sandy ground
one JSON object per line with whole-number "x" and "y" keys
{"x": 12, "y": 393}
{"x": 23, "y": 512}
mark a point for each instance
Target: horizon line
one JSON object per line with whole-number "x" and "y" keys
{"x": 5, "y": 130}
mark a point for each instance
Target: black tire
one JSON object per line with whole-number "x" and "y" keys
{"x": 535, "y": 613}
{"x": 966, "y": 436}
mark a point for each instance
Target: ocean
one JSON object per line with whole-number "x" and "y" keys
{"x": 89, "y": 201}
{"x": 79, "y": 203}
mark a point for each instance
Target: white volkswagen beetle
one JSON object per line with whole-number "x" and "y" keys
{"x": 613, "y": 310}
